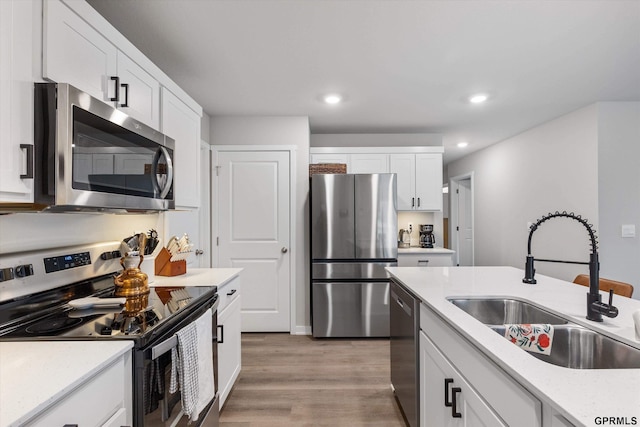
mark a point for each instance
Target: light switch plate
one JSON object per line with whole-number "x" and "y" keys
{"x": 628, "y": 230}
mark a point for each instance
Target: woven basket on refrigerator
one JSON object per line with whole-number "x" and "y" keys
{"x": 327, "y": 168}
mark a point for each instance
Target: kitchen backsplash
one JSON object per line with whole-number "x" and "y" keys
{"x": 28, "y": 231}
{"x": 417, "y": 218}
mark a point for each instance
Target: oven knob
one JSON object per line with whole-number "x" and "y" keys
{"x": 6, "y": 274}
{"x": 24, "y": 270}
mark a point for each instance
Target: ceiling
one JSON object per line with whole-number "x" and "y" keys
{"x": 402, "y": 66}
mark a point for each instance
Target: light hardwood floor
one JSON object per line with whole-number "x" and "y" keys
{"x": 289, "y": 380}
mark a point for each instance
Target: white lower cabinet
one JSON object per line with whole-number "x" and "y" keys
{"x": 229, "y": 338}
{"x": 103, "y": 400}
{"x": 425, "y": 260}
{"x": 448, "y": 400}
{"x": 454, "y": 372}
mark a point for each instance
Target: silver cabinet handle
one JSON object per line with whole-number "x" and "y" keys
{"x": 423, "y": 261}
{"x": 284, "y": 250}
{"x": 199, "y": 251}
{"x": 418, "y": 201}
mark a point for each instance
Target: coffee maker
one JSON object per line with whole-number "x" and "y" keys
{"x": 427, "y": 239}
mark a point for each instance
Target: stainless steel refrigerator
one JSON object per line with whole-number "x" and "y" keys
{"x": 354, "y": 226}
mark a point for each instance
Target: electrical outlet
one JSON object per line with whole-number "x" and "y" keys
{"x": 410, "y": 228}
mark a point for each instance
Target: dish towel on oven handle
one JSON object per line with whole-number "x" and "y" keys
{"x": 184, "y": 369}
{"x": 206, "y": 381}
{"x": 193, "y": 366}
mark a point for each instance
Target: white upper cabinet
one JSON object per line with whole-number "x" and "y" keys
{"x": 183, "y": 125}
{"x": 329, "y": 158}
{"x": 368, "y": 163}
{"x": 429, "y": 182}
{"x": 418, "y": 170}
{"x": 138, "y": 93}
{"x": 75, "y": 53}
{"x": 419, "y": 181}
{"x": 404, "y": 166}
{"x": 19, "y": 36}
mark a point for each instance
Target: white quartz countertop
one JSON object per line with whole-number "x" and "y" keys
{"x": 34, "y": 375}
{"x": 580, "y": 395}
{"x": 198, "y": 277}
{"x": 419, "y": 250}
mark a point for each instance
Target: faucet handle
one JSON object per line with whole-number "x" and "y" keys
{"x": 610, "y": 297}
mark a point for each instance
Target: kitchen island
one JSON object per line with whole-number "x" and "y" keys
{"x": 566, "y": 396}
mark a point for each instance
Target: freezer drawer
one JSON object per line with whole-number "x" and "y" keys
{"x": 350, "y": 309}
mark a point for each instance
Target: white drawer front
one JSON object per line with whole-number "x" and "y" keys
{"x": 94, "y": 403}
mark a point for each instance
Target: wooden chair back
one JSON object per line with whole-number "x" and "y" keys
{"x": 619, "y": 288}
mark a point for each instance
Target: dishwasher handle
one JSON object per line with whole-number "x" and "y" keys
{"x": 407, "y": 309}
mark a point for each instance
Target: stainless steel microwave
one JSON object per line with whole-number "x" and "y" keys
{"x": 90, "y": 155}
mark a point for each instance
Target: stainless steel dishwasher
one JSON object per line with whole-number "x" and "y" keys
{"x": 404, "y": 328}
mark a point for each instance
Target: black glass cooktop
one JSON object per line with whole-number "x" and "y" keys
{"x": 49, "y": 314}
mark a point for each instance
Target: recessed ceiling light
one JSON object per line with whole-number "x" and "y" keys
{"x": 462, "y": 144}
{"x": 332, "y": 99}
{"x": 478, "y": 98}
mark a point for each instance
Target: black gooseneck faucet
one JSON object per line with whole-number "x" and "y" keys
{"x": 595, "y": 307}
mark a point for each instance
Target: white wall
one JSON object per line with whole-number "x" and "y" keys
{"x": 30, "y": 231}
{"x": 280, "y": 131}
{"x": 619, "y": 190}
{"x": 548, "y": 168}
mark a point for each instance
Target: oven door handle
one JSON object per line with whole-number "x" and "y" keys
{"x": 163, "y": 347}
{"x": 166, "y": 345}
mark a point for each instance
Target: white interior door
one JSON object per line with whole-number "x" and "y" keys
{"x": 203, "y": 252}
{"x": 464, "y": 215}
{"x": 253, "y": 205}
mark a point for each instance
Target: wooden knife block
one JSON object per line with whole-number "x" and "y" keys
{"x": 164, "y": 267}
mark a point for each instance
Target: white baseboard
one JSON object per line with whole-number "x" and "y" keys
{"x": 301, "y": 330}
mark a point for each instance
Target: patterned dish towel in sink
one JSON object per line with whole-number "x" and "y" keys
{"x": 535, "y": 337}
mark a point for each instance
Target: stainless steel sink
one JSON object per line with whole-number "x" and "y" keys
{"x": 500, "y": 311}
{"x": 576, "y": 347}
{"x": 573, "y": 346}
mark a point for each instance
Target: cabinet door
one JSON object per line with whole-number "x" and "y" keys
{"x": 17, "y": 35}
{"x": 139, "y": 92}
{"x": 404, "y": 166}
{"x": 330, "y": 158}
{"x": 447, "y": 398}
{"x": 429, "y": 182}
{"x": 229, "y": 348}
{"x": 75, "y": 53}
{"x": 369, "y": 163}
{"x": 183, "y": 125}
{"x": 414, "y": 260}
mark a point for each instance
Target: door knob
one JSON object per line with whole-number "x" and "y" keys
{"x": 284, "y": 250}
{"x": 199, "y": 251}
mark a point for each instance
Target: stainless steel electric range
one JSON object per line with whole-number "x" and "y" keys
{"x": 36, "y": 288}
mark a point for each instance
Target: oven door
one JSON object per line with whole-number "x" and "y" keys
{"x": 159, "y": 407}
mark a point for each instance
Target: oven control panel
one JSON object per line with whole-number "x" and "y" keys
{"x": 64, "y": 262}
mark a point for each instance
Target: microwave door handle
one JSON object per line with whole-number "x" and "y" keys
{"x": 154, "y": 175}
